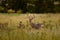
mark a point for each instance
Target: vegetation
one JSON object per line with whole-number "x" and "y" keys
{"x": 10, "y": 27}
{"x": 31, "y": 6}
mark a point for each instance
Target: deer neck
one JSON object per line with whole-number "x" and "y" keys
{"x": 30, "y": 22}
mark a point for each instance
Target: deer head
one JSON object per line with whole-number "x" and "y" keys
{"x": 31, "y": 17}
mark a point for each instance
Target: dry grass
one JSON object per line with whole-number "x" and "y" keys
{"x": 51, "y": 30}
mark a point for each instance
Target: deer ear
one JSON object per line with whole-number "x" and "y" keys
{"x": 28, "y": 16}
{"x": 33, "y": 16}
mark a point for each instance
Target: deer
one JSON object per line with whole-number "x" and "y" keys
{"x": 21, "y": 25}
{"x": 34, "y": 25}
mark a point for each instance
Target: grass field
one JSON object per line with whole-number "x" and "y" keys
{"x": 50, "y": 30}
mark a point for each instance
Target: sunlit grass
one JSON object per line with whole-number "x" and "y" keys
{"x": 51, "y": 30}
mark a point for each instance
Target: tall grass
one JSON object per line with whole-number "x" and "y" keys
{"x": 50, "y": 31}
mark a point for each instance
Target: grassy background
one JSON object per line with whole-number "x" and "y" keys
{"x": 50, "y": 31}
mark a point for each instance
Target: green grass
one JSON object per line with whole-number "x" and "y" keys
{"x": 51, "y": 30}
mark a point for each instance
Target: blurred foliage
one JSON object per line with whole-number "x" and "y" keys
{"x": 31, "y": 6}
